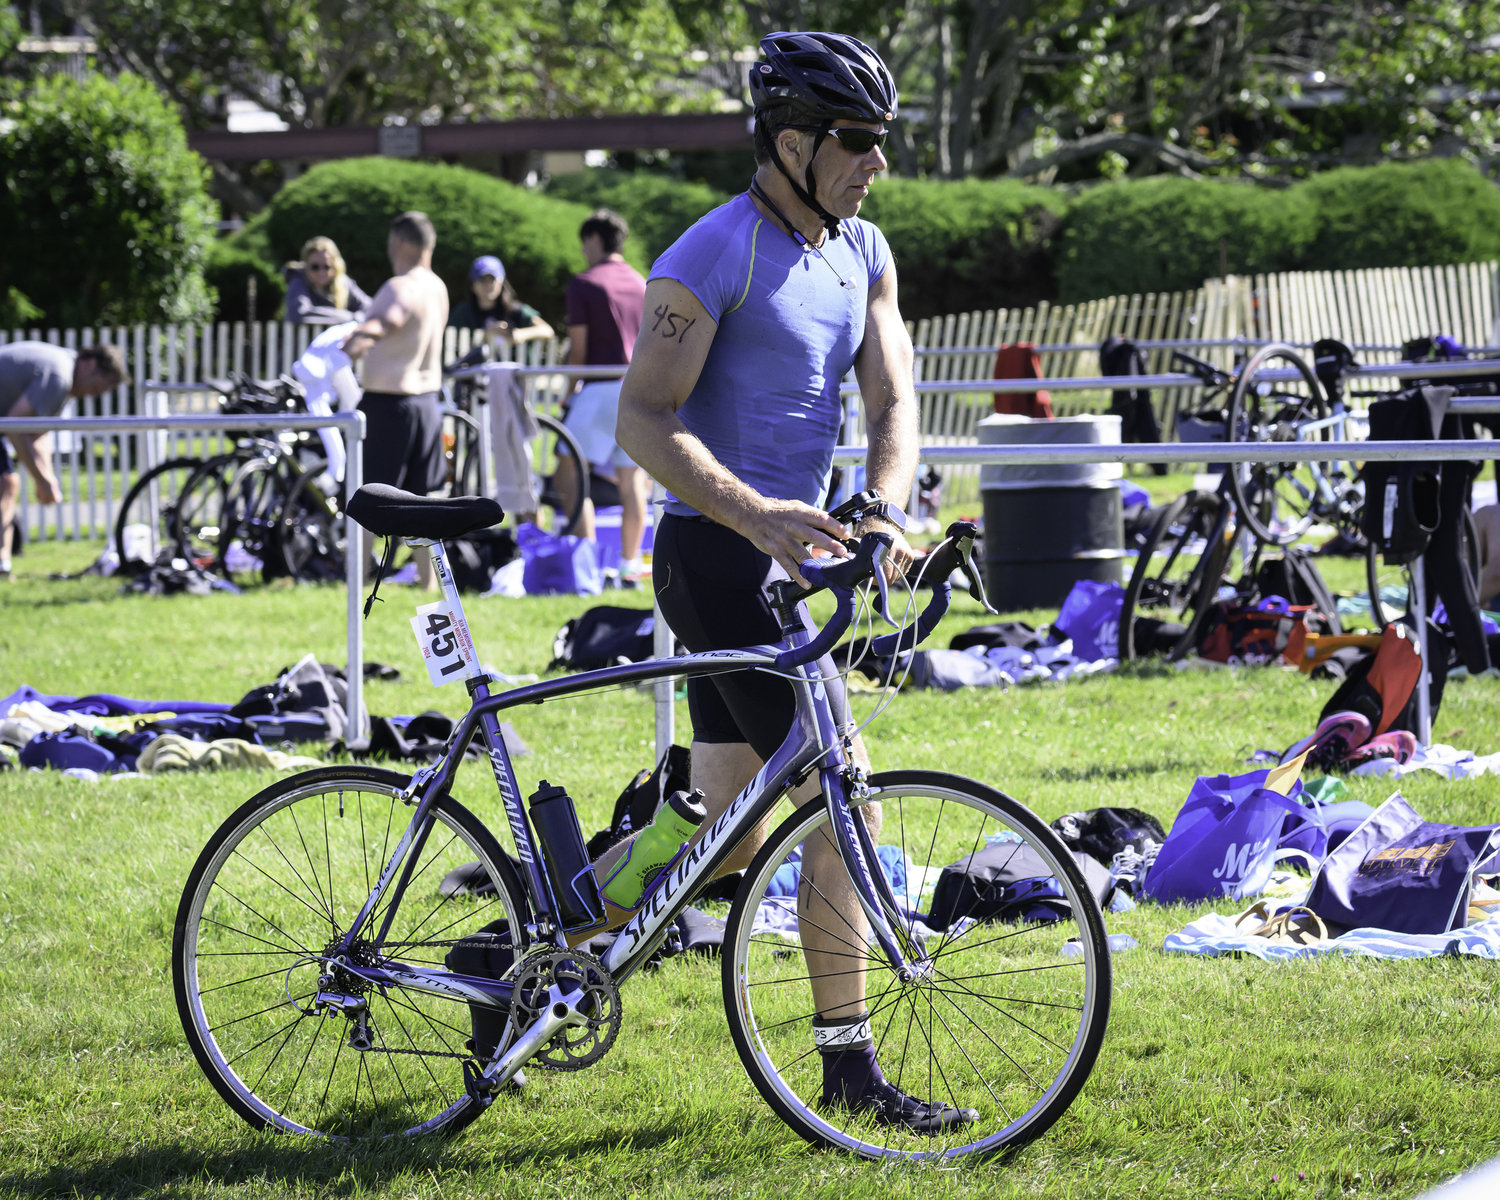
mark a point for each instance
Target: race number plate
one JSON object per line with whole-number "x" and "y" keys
{"x": 443, "y": 642}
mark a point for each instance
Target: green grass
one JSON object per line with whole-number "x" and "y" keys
{"x": 1369, "y": 1078}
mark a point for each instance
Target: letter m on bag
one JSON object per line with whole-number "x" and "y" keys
{"x": 1236, "y": 864}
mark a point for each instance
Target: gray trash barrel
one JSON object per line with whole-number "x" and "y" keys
{"x": 1049, "y": 525}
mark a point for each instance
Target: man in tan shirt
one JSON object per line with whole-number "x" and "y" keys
{"x": 401, "y": 341}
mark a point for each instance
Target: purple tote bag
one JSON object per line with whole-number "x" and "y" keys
{"x": 1229, "y": 835}
{"x": 1399, "y": 872}
{"x": 555, "y": 563}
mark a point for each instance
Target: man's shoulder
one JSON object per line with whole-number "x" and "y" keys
{"x": 607, "y": 276}
{"x": 718, "y": 229}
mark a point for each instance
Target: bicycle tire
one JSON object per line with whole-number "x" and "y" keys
{"x": 1195, "y": 590}
{"x": 261, "y": 883}
{"x": 253, "y": 499}
{"x": 308, "y": 539}
{"x": 463, "y": 471}
{"x": 1378, "y": 613}
{"x": 137, "y": 498}
{"x": 1255, "y": 486}
{"x": 198, "y": 514}
{"x": 570, "y": 508}
{"x": 770, "y": 1024}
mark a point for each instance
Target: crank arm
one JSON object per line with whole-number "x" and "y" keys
{"x": 562, "y": 1011}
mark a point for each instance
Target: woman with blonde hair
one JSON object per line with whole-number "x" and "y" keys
{"x": 318, "y": 289}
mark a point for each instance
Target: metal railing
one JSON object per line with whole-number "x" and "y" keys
{"x": 350, "y": 424}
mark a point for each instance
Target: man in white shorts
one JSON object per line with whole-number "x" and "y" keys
{"x": 604, "y": 316}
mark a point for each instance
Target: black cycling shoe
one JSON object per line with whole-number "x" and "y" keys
{"x": 892, "y": 1107}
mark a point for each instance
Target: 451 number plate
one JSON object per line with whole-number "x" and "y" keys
{"x": 443, "y": 641}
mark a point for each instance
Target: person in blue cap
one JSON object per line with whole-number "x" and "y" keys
{"x": 494, "y": 306}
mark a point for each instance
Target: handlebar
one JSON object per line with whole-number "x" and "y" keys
{"x": 842, "y": 576}
{"x": 1211, "y": 375}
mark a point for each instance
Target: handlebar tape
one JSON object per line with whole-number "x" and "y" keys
{"x": 827, "y": 636}
{"x": 897, "y": 643}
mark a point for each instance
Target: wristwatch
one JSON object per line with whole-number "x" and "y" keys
{"x": 885, "y": 511}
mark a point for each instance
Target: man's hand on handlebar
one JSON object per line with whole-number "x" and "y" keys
{"x": 785, "y": 528}
{"x": 900, "y": 556}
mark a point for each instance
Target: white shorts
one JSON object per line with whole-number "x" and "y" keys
{"x": 591, "y": 419}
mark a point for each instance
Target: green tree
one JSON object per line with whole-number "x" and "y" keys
{"x": 106, "y": 206}
{"x": 326, "y": 62}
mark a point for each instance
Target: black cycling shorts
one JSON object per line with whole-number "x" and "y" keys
{"x": 404, "y": 441}
{"x": 710, "y": 582}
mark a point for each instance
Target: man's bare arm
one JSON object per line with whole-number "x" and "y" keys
{"x": 669, "y": 354}
{"x": 884, "y": 370}
{"x": 386, "y": 314}
{"x": 578, "y": 344}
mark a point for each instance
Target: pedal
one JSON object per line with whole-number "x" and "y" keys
{"x": 480, "y": 1090}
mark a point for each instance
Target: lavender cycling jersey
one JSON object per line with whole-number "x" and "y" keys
{"x": 790, "y": 322}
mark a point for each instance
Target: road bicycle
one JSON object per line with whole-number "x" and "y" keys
{"x": 311, "y": 946}
{"x": 1188, "y": 553}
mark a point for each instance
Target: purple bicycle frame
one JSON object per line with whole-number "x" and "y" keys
{"x": 813, "y": 743}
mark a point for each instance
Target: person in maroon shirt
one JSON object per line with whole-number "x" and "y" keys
{"x": 604, "y": 316}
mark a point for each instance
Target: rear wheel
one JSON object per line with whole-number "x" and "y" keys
{"x": 1007, "y": 1020}
{"x": 144, "y": 524}
{"x": 566, "y": 503}
{"x": 309, "y": 539}
{"x": 1278, "y": 501}
{"x": 270, "y": 899}
{"x": 1177, "y": 576}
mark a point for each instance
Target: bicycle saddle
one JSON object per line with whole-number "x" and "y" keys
{"x": 389, "y": 512}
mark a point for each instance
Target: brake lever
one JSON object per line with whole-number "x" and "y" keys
{"x": 884, "y": 588}
{"x": 976, "y": 577}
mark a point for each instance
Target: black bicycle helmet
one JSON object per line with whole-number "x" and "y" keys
{"x": 827, "y": 76}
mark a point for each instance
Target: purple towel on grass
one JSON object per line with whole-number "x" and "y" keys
{"x": 105, "y": 704}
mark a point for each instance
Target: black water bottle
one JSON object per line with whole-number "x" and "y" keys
{"x": 573, "y": 882}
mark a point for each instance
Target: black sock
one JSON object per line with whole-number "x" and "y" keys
{"x": 848, "y": 1052}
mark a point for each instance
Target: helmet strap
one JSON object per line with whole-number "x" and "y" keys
{"x": 805, "y": 194}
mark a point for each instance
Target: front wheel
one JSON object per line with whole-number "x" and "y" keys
{"x": 1008, "y": 1015}
{"x": 255, "y": 953}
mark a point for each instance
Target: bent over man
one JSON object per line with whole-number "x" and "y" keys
{"x": 751, "y": 321}
{"x": 36, "y": 380}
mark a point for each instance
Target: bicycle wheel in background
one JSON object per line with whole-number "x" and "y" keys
{"x": 253, "y": 497}
{"x": 144, "y": 524}
{"x": 1176, "y": 577}
{"x": 1278, "y": 501}
{"x": 273, "y": 891}
{"x": 562, "y": 509}
{"x": 308, "y": 542}
{"x": 463, "y": 455}
{"x": 197, "y": 519}
{"x": 1380, "y": 576}
{"x": 1009, "y": 1020}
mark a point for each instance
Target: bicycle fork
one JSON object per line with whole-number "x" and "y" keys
{"x": 902, "y": 946}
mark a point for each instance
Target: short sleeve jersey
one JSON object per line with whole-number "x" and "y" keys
{"x": 608, "y": 298}
{"x": 40, "y": 371}
{"x": 790, "y": 323}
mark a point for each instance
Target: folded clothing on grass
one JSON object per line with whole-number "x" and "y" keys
{"x": 173, "y": 753}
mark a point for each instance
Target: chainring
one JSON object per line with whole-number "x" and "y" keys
{"x": 575, "y": 1046}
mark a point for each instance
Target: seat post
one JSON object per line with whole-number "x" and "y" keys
{"x": 454, "y": 604}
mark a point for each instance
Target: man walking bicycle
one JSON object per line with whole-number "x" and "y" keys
{"x": 752, "y": 319}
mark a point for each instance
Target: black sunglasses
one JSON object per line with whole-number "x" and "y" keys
{"x": 856, "y": 141}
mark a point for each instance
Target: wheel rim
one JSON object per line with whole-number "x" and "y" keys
{"x": 1007, "y": 1026}
{"x": 262, "y": 909}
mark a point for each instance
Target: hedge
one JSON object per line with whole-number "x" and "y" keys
{"x": 967, "y": 245}
{"x": 1163, "y": 235}
{"x": 658, "y": 208}
{"x": 228, "y": 272}
{"x": 106, "y": 209}
{"x": 354, "y": 200}
{"x": 1426, "y": 214}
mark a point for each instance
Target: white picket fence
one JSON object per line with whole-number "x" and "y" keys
{"x": 1372, "y": 308}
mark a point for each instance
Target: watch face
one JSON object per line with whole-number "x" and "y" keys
{"x": 889, "y": 512}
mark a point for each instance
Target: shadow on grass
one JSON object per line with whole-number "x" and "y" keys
{"x": 330, "y": 1169}
{"x": 1111, "y": 771}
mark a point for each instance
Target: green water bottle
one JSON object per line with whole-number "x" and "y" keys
{"x": 658, "y": 843}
